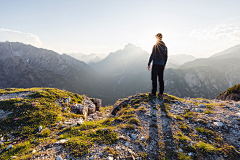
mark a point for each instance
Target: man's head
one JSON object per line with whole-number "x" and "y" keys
{"x": 159, "y": 36}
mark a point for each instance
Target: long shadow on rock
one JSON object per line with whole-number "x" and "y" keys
{"x": 167, "y": 135}
{"x": 153, "y": 132}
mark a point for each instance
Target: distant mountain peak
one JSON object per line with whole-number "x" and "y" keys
{"x": 129, "y": 45}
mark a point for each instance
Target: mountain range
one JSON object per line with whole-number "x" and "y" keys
{"x": 88, "y": 58}
{"x": 120, "y": 74}
{"x": 27, "y": 66}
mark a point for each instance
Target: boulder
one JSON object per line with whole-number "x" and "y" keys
{"x": 98, "y": 103}
{"x": 80, "y": 109}
{"x": 90, "y": 105}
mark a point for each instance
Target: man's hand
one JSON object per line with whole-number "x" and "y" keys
{"x": 149, "y": 68}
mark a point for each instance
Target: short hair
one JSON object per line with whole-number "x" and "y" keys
{"x": 159, "y": 36}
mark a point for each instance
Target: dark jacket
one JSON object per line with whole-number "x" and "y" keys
{"x": 159, "y": 54}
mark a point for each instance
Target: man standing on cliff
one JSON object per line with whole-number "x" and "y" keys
{"x": 159, "y": 57}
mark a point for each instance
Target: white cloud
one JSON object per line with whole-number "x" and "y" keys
{"x": 228, "y": 32}
{"x": 17, "y": 36}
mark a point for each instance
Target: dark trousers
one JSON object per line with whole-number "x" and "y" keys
{"x": 157, "y": 71}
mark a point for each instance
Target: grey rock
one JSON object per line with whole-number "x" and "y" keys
{"x": 90, "y": 105}
{"x": 218, "y": 124}
{"x": 238, "y": 114}
{"x": 81, "y": 109}
{"x": 109, "y": 158}
{"x": 9, "y": 147}
{"x": 127, "y": 144}
{"x": 201, "y": 106}
{"x": 63, "y": 126}
{"x": 198, "y": 110}
{"x": 67, "y": 100}
{"x": 236, "y": 104}
{"x": 98, "y": 103}
{"x": 143, "y": 138}
{"x": 39, "y": 128}
{"x": 92, "y": 158}
{"x": 62, "y": 141}
{"x": 59, "y": 158}
{"x": 190, "y": 154}
{"x": 134, "y": 136}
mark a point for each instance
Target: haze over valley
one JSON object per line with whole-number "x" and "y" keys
{"x": 120, "y": 74}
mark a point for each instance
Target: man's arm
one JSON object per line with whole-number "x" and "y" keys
{"x": 166, "y": 56}
{"x": 151, "y": 56}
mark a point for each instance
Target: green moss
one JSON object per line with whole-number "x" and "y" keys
{"x": 18, "y": 149}
{"x": 127, "y": 126}
{"x": 108, "y": 121}
{"x": 206, "y": 147}
{"x": 230, "y": 151}
{"x": 64, "y": 136}
{"x": 109, "y": 150}
{"x": 208, "y": 111}
{"x": 189, "y": 115}
{"x": 181, "y": 137}
{"x": 183, "y": 126}
{"x": 45, "y": 132}
{"x": 179, "y": 118}
{"x": 142, "y": 109}
{"x": 182, "y": 156}
{"x": 144, "y": 155}
{"x": 77, "y": 147}
{"x": 134, "y": 121}
{"x": 205, "y": 131}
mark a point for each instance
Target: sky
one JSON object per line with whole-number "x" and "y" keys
{"x": 198, "y": 28}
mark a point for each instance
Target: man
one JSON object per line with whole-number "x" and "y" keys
{"x": 159, "y": 57}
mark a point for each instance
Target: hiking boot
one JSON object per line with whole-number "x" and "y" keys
{"x": 152, "y": 95}
{"x": 161, "y": 95}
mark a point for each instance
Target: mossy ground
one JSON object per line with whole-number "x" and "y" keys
{"x": 41, "y": 109}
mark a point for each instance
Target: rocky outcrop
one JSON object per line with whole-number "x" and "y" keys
{"x": 232, "y": 93}
{"x": 228, "y": 97}
{"x": 89, "y": 107}
{"x": 80, "y": 109}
